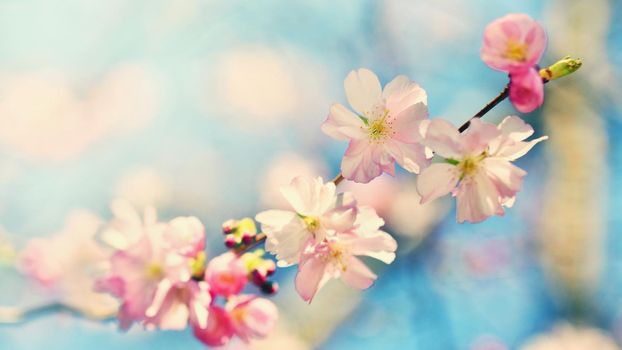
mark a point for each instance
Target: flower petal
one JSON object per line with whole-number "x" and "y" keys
{"x": 358, "y": 275}
{"x": 437, "y": 180}
{"x": 342, "y": 124}
{"x": 443, "y": 138}
{"x": 309, "y": 277}
{"x": 358, "y": 163}
{"x": 363, "y": 90}
{"x": 477, "y": 199}
{"x": 526, "y": 90}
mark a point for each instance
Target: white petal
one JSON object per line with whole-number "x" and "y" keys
{"x": 342, "y": 124}
{"x": 363, "y": 90}
{"x": 515, "y": 128}
{"x": 443, "y": 138}
{"x": 437, "y": 180}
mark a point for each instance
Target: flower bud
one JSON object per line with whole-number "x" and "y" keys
{"x": 561, "y": 68}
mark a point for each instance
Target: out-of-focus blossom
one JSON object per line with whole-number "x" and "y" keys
{"x": 175, "y": 304}
{"x": 144, "y": 186}
{"x": 127, "y": 226}
{"x": 411, "y": 219}
{"x": 514, "y": 44}
{"x": 335, "y": 257}
{"x": 138, "y": 271}
{"x": 67, "y": 264}
{"x": 379, "y": 194}
{"x": 317, "y": 212}
{"x": 477, "y": 168}
{"x": 251, "y": 317}
{"x": 226, "y": 274}
{"x": 63, "y": 123}
{"x": 218, "y": 330}
{"x": 568, "y": 337}
{"x": 152, "y": 267}
{"x": 385, "y": 130}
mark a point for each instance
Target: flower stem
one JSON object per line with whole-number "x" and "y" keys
{"x": 16, "y": 315}
{"x": 502, "y": 96}
{"x": 337, "y": 179}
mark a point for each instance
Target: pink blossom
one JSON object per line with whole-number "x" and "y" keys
{"x": 251, "y": 317}
{"x": 526, "y": 90}
{"x": 137, "y": 272}
{"x": 226, "y": 274}
{"x": 218, "y": 329}
{"x": 478, "y": 169}
{"x": 336, "y": 257}
{"x": 385, "y": 130}
{"x": 174, "y": 305}
{"x": 317, "y": 212}
{"x": 513, "y": 43}
{"x": 185, "y": 235}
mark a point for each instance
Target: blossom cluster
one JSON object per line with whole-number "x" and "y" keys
{"x": 323, "y": 233}
{"x": 159, "y": 270}
{"x": 161, "y": 276}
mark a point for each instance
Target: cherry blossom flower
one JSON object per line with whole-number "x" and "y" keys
{"x": 137, "y": 273}
{"x": 335, "y": 257}
{"x": 67, "y": 264}
{"x": 384, "y": 129}
{"x": 251, "y": 317}
{"x": 478, "y": 169}
{"x": 174, "y": 305}
{"x": 226, "y": 274}
{"x": 218, "y": 329}
{"x": 317, "y": 213}
{"x": 514, "y": 44}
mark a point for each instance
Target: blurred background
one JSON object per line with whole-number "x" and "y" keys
{"x": 206, "y": 107}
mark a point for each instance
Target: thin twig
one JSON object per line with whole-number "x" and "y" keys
{"x": 16, "y": 315}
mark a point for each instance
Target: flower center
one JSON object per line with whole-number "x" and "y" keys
{"x": 470, "y": 164}
{"x": 378, "y": 127}
{"x": 515, "y": 51}
{"x": 154, "y": 270}
{"x": 312, "y": 223}
{"x": 337, "y": 255}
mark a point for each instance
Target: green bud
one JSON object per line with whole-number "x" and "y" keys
{"x": 561, "y": 68}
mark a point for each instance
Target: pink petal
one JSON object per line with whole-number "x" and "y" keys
{"x": 437, "y": 180}
{"x": 518, "y": 149}
{"x": 443, "y": 138}
{"x": 506, "y": 177}
{"x": 363, "y": 90}
{"x": 309, "y": 196}
{"x": 357, "y": 275}
{"x": 379, "y": 246}
{"x": 526, "y": 90}
{"x": 310, "y": 275}
{"x": 520, "y": 29}
{"x": 478, "y": 136}
{"x": 252, "y": 317}
{"x": 358, "y": 163}
{"x": 401, "y": 93}
{"x": 226, "y": 274}
{"x": 406, "y": 125}
{"x": 342, "y": 124}
{"x": 515, "y": 128}
{"x": 477, "y": 199}
{"x": 219, "y": 329}
{"x": 410, "y": 156}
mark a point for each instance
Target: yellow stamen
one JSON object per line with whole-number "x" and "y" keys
{"x": 515, "y": 51}
{"x": 312, "y": 223}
